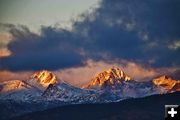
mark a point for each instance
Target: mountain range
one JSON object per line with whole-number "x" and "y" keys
{"x": 147, "y": 108}
{"x": 43, "y": 90}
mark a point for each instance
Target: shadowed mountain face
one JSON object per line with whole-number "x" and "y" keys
{"x": 43, "y": 91}
{"x": 148, "y": 108}
{"x": 39, "y": 80}
{"x": 29, "y": 89}
{"x": 111, "y": 82}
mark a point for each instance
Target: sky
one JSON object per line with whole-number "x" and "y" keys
{"x": 141, "y": 37}
{"x": 34, "y": 13}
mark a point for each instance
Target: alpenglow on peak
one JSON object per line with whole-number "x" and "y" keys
{"x": 111, "y": 76}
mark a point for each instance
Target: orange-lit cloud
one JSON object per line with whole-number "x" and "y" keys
{"x": 81, "y": 75}
{"x": 8, "y": 75}
{"x": 5, "y": 38}
{"x": 4, "y": 52}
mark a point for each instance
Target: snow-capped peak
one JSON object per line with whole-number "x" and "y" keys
{"x": 12, "y": 85}
{"x": 111, "y": 76}
{"x": 116, "y": 73}
{"x": 168, "y": 83}
{"x": 44, "y": 78}
{"x": 27, "y": 89}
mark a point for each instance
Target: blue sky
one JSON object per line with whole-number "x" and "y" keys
{"x": 34, "y": 13}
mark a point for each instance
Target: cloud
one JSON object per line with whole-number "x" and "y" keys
{"x": 4, "y": 52}
{"x": 8, "y": 75}
{"x": 52, "y": 49}
{"x": 4, "y": 40}
{"x": 83, "y": 74}
{"x": 175, "y": 45}
{"x": 138, "y": 31}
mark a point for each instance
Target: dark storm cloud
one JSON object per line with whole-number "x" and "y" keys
{"x": 136, "y": 30}
{"x": 52, "y": 49}
{"x": 140, "y": 30}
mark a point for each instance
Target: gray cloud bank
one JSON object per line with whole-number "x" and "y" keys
{"x": 142, "y": 31}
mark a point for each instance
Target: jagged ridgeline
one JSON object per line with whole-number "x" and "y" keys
{"x": 113, "y": 82}
{"x": 44, "y": 90}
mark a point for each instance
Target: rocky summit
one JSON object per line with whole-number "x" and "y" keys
{"x": 167, "y": 83}
{"x": 111, "y": 76}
